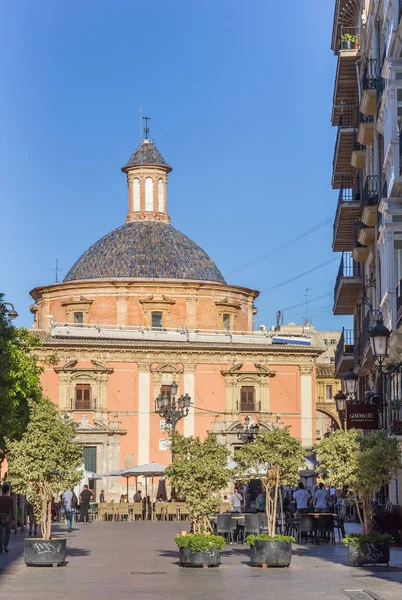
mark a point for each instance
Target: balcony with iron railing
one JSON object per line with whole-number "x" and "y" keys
{"x": 360, "y": 252}
{"x": 365, "y": 133}
{"x": 399, "y": 304}
{"x": 83, "y": 405}
{"x": 349, "y": 150}
{"x": 346, "y": 46}
{"x": 362, "y": 341}
{"x": 348, "y": 285}
{"x": 371, "y": 86}
{"x": 370, "y": 201}
{"x": 344, "y": 353}
{"x": 347, "y": 213}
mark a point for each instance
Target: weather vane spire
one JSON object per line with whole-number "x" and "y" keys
{"x": 146, "y": 128}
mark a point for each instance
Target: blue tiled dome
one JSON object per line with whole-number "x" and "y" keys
{"x": 145, "y": 249}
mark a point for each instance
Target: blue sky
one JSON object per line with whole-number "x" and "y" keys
{"x": 240, "y": 99}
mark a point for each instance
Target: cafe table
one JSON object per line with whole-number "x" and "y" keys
{"x": 315, "y": 515}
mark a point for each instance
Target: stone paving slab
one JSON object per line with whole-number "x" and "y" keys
{"x": 139, "y": 560}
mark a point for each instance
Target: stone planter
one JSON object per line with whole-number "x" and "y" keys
{"x": 368, "y": 554}
{"x": 45, "y": 552}
{"x": 271, "y": 553}
{"x": 208, "y": 558}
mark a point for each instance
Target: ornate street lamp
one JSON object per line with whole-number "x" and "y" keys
{"x": 247, "y": 433}
{"x": 10, "y": 312}
{"x": 350, "y": 383}
{"x": 172, "y": 411}
{"x": 379, "y": 339}
{"x": 340, "y": 403}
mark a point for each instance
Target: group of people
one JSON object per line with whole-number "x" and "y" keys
{"x": 69, "y": 503}
{"x": 321, "y": 500}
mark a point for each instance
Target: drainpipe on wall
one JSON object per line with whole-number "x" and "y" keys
{"x": 378, "y": 168}
{"x": 359, "y": 89}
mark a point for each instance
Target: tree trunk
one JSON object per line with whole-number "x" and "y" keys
{"x": 359, "y": 514}
{"x": 269, "y": 511}
{"x": 46, "y": 515}
{"x": 367, "y": 514}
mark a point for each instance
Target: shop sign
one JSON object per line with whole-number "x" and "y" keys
{"x": 361, "y": 416}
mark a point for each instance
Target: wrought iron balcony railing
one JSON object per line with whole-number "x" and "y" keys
{"x": 362, "y": 337}
{"x": 371, "y": 188}
{"x": 345, "y": 344}
{"x": 83, "y": 404}
{"x": 371, "y": 78}
{"x": 348, "y": 268}
{"x": 348, "y": 115}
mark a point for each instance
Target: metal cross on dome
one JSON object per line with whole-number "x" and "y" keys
{"x": 146, "y": 128}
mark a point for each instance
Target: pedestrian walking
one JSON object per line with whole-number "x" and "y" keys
{"x": 236, "y": 500}
{"x": 321, "y": 499}
{"x": 7, "y": 517}
{"x": 302, "y": 498}
{"x": 68, "y": 504}
{"x": 138, "y": 496}
{"x": 85, "y": 497}
{"x": 102, "y": 497}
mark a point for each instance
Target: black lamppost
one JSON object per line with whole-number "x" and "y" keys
{"x": 379, "y": 341}
{"x": 10, "y": 312}
{"x": 172, "y": 411}
{"x": 350, "y": 383}
{"x": 340, "y": 402}
{"x": 247, "y": 433}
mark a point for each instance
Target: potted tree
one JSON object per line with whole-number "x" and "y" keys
{"x": 199, "y": 471}
{"x": 362, "y": 464}
{"x": 43, "y": 463}
{"x": 275, "y": 458}
{"x": 349, "y": 41}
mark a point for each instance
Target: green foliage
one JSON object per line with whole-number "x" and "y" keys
{"x": 275, "y": 458}
{"x": 199, "y": 470}
{"x": 252, "y": 539}
{"x": 361, "y": 539}
{"x": 46, "y": 459}
{"x": 361, "y": 463}
{"x": 200, "y": 542}
{"x": 348, "y": 37}
{"x": 19, "y": 378}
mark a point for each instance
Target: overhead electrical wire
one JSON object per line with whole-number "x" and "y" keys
{"x": 283, "y": 246}
{"x": 324, "y": 264}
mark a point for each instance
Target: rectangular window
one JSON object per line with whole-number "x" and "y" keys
{"x": 397, "y": 257}
{"x": 226, "y": 323}
{"x": 332, "y": 360}
{"x": 247, "y": 398}
{"x": 83, "y": 397}
{"x": 399, "y": 105}
{"x": 156, "y": 320}
{"x": 333, "y": 342}
{"x": 165, "y": 389}
{"x": 326, "y": 342}
{"x": 328, "y": 392}
{"x": 78, "y": 319}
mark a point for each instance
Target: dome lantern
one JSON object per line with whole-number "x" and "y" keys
{"x": 147, "y": 175}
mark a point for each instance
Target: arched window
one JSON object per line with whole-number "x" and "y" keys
{"x": 149, "y": 194}
{"x": 136, "y": 193}
{"x": 160, "y": 195}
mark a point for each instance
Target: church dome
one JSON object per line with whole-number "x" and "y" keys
{"x": 145, "y": 249}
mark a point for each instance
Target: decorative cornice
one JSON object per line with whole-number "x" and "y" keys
{"x": 152, "y": 300}
{"x": 70, "y": 366}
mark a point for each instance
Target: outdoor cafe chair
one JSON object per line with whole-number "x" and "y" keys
{"x": 172, "y": 511}
{"x": 263, "y": 521}
{"x": 225, "y": 525}
{"x": 183, "y": 511}
{"x": 224, "y": 507}
{"x": 136, "y": 510}
{"x": 307, "y": 528}
{"x": 325, "y": 528}
{"x": 160, "y": 510}
{"x": 251, "y": 524}
{"x": 339, "y": 523}
{"x": 121, "y": 511}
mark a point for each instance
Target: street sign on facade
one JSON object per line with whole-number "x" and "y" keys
{"x": 361, "y": 416}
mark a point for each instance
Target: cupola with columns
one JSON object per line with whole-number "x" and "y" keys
{"x": 147, "y": 175}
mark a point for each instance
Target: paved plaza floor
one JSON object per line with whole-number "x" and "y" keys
{"x": 139, "y": 560}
